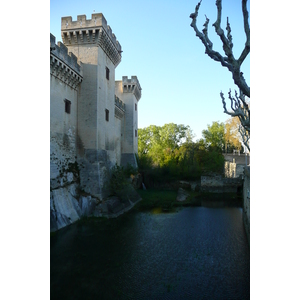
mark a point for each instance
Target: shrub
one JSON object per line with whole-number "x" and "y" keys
{"x": 118, "y": 184}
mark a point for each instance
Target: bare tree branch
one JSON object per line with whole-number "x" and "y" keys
{"x": 239, "y": 108}
{"x": 246, "y": 50}
{"x": 245, "y": 136}
{"x": 205, "y": 40}
{"x": 220, "y": 32}
{"x": 228, "y": 61}
{"x": 229, "y": 36}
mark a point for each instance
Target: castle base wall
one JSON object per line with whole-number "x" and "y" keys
{"x": 129, "y": 159}
{"x": 94, "y": 168}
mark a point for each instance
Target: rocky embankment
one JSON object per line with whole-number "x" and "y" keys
{"x": 68, "y": 203}
{"x": 67, "y": 206}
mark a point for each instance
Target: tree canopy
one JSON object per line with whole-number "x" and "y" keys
{"x": 214, "y": 135}
{"x": 170, "y": 150}
{"x": 232, "y": 135}
{"x": 161, "y": 143}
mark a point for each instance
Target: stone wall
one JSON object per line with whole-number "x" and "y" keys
{"x": 93, "y": 172}
{"x": 220, "y": 184}
{"x": 234, "y": 164}
{"x": 241, "y": 159}
{"x": 82, "y": 191}
{"x": 246, "y": 202}
{"x": 229, "y": 169}
{"x": 65, "y": 77}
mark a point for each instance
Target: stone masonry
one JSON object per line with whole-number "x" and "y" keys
{"x": 93, "y": 118}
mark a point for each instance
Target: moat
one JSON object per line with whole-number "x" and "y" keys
{"x": 191, "y": 253}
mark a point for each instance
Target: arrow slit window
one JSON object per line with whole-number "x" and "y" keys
{"x": 67, "y": 106}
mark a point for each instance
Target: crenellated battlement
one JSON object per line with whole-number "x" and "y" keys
{"x": 94, "y": 31}
{"x": 63, "y": 64}
{"x": 119, "y": 103}
{"x": 97, "y": 20}
{"x": 119, "y": 108}
{"x": 132, "y": 85}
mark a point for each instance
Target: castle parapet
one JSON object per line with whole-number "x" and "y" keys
{"x": 132, "y": 85}
{"x": 93, "y": 31}
{"x": 64, "y": 64}
{"x": 119, "y": 108}
{"x": 119, "y": 103}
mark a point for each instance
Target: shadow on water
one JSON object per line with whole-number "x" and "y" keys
{"x": 187, "y": 253}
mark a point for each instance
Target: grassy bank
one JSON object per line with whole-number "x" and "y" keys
{"x": 166, "y": 199}
{"x": 156, "y": 198}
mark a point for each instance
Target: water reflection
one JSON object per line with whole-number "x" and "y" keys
{"x": 193, "y": 253}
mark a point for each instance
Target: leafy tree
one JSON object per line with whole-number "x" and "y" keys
{"x": 232, "y": 135}
{"x": 144, "y": 141}
{"x": 174, "y": 135}
{"x": 160, "y": 143}
{"x": 168, "y": 152}
{"x": 214, "y": 135}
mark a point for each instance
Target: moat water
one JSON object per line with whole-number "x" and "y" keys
{"x": 193, "y": 253}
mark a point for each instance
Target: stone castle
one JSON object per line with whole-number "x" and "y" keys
{"x": 93, "y": 118}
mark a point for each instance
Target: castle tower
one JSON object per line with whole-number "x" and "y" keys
{"x": 129, "y": 90}
{"x": 99, "y": 53}
{"x": 93, "y": 42}
{"x": 90, "y": 127}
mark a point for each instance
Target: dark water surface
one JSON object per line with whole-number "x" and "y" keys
{"x": 194, "y": 253}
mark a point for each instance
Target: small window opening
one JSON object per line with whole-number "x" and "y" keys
{"x": 135, "y": 106}
{"x": 67, "y": 106}
{"x": 107, "y": 73}
{"x": 135, "y": 133}
{"x": 107, "y": 115}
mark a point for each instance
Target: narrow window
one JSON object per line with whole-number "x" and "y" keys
{"x": 107, "y": 115}
{"x": 135, "y": 105}
{"x": 135, "y": 133}
{"x": 107, "y": 73}
{"x": 67, "y": 106}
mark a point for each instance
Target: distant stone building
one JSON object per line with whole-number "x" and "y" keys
{"x": 93, "y": 118}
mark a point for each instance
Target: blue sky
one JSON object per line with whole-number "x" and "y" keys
{"x": 180, "y": 83}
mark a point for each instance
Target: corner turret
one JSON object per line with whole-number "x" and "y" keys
{"x": 132, "y": 85}
{"x": 130, "y": 91}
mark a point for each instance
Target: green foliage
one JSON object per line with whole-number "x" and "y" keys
{"x": 213, "y": 161}
{"x": 156, "y": 198}
{"x": 232, "y": 135}
{"x": 159, "y": 144}
{"x": 214, "y": 135}
{"x": 118, "y": 184}
{"x": 168, "y": 153}
{"x": 129, "y": 170}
